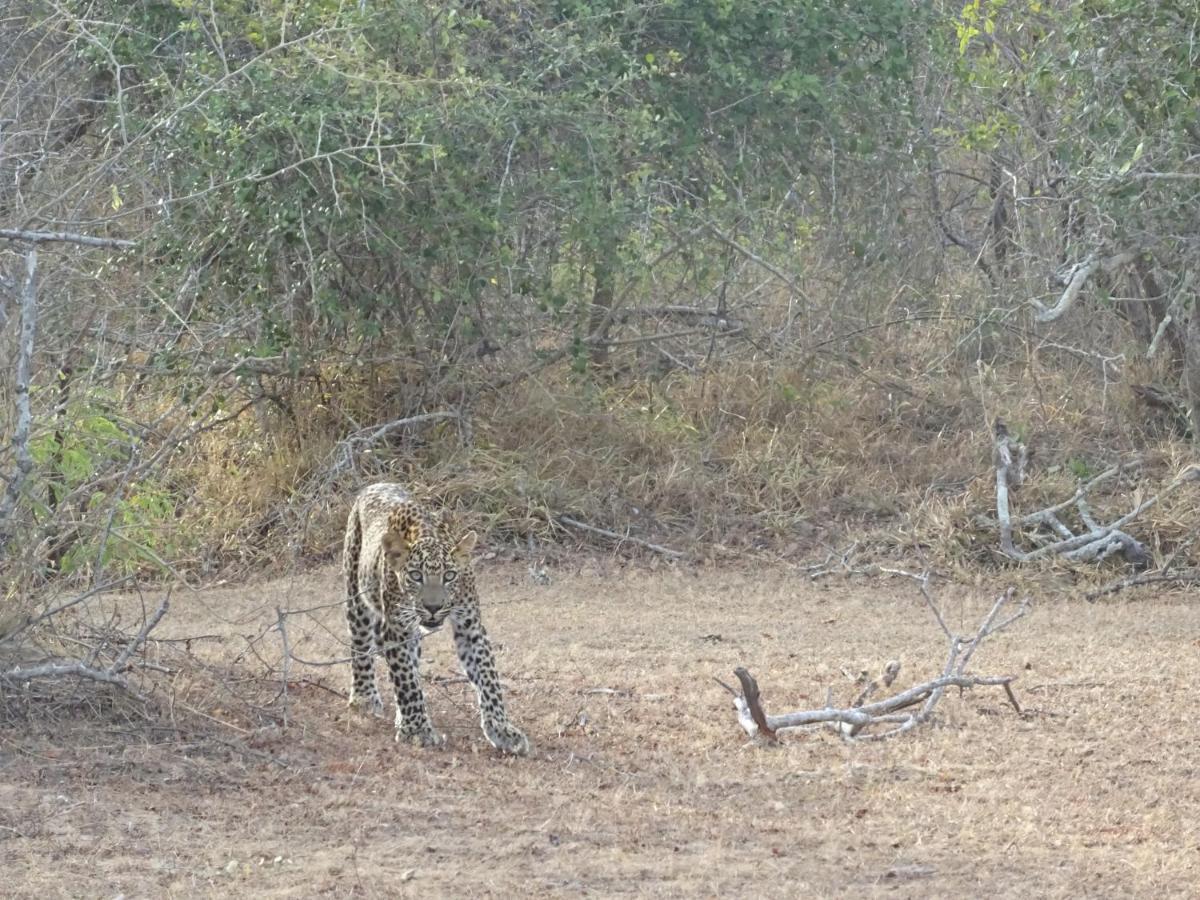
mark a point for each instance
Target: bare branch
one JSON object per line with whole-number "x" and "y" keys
{"x": 853, "y": 720}
{"x": 281, "y": 624}
{"x": 754, "y": 702}
{"x": 1079, "y": 277}
{"x": 122, "y": 661}
{"x": 1180, "y": 576}
{"x": 344, "y": 453}
{"x": 616, "y": 536}
{"x": 112, "y": 674}
{"x": 65, "y": 237}
{"x": 1093, "y": 545}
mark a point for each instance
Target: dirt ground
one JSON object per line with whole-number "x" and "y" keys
{"x": 641, "y": 782}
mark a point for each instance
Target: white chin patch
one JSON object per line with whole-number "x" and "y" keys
{"x": 426, "y": 629}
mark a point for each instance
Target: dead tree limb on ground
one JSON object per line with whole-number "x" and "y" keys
{"x": 618, "y": 537}
{"x": 1097, "y": 541}
{"x": 1178, "y": 576}
{"x": 113, "y": 673}
{"x": 895, "y": 712}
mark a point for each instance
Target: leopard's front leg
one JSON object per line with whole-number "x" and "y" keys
{"x": 364, "y": 637}
{"x": 402, "y": 650}
{"x": 475, "y": 654}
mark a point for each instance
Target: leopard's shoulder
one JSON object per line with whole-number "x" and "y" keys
{"x": 389, "y": 507}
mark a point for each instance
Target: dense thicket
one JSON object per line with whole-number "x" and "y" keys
{"x": 748, "y": 251}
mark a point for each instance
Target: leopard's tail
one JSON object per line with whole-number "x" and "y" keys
{"x": 351, "y": 551}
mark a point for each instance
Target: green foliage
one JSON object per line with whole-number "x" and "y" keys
{"x": 1097, "y": 99}
{"x": 126, "y": 530}
{"x": 1080, "y": 468}
{"x": 410, "y": 162}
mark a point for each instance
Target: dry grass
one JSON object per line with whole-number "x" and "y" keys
{"x": 780, "y": 451}
{"x": 642, "y": 783}
{"x": 883, "y": 439}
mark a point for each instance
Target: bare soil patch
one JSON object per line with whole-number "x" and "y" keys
{"x": 641, "y": 783}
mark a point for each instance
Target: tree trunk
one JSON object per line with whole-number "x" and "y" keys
{"x": 24, "y": 417}
{"x": 1191, "y": 369}
{"x": 604, "y": 277}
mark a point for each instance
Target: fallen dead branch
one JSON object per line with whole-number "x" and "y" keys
{"x": 113, "y": 673}
{"x": 896, "y": 711}
{"x": 618, "y": 537}
{"x": 1097, "y": 541}
{"x": 1179, "y": 576}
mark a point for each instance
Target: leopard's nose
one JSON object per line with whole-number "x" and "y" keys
{"x": 432, "y": 601}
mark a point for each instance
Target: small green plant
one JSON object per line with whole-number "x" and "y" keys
{"x": 1080, "y": 468}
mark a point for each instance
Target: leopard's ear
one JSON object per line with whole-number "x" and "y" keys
{"x": 466, "y": 543}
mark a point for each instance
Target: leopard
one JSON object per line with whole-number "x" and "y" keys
{"x": 407, "y": 574}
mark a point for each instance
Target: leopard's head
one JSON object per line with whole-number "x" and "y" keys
{"x": 433, "y": 574}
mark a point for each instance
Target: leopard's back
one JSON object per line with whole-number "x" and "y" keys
{"x": 379, "y": 509}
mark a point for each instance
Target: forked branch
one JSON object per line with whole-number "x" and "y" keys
{"x": 113, "y": 674}
{"x": 1096, "y": 541}
{"x": 862, "y": 720}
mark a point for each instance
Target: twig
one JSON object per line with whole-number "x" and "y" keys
{"x": 287, "y": 658}
{"x": 732, "y": 244}
{"x": 923, "y": 584}
{"x": 113, "y": 674}
{"x": 123, "y": 660}
{"x": 1180, "y": 576}
{"x": 75, "y": 601}
{"x": 657, "y": 548}
{"x": 343, "y": 454}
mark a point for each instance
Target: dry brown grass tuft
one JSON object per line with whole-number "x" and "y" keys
{"x": 883, "y": 437}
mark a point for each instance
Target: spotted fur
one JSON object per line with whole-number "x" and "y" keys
{"x": 405, "y": 577}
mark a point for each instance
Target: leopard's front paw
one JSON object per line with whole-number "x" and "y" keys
{"x": 507, "y": 738}
{"x": 421, "y": 736}
{"x": 371, "y": 704}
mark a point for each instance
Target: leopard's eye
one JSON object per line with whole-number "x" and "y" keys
{"x": 415, "y": 576}
{"x": 448, "y": 576}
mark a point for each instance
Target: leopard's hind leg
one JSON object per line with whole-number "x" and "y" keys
{"x": 363, "y": 622}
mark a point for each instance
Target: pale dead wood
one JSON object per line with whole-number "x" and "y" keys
{"x": 754, "y": 703}
{"x": 1098, "y": 541}
{"x": 1179, "y": 576}
{"x": 859, "y": 716}
{"x": 113, "y": 674}
{"x": 617, "y": 536}
{"x": 65, "y": 237}
{"x": 1077, "y": 279}
{"x": 1009, "y": 458}
{"x": 835, "y": 561}
{"x": 885, "y": 679}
